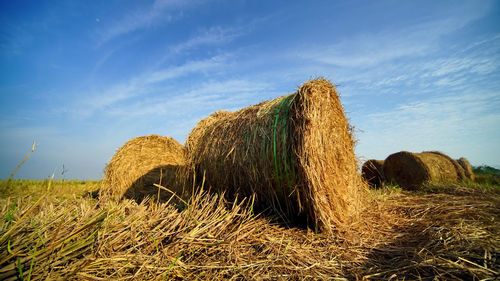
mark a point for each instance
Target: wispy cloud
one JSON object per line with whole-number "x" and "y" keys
{"x": 373, "y": 49}
{"x": 175, "y": 114}
{"x": 215, "y": 36}
{"x": 451, "y": 123}
{"x": 212, "y": 36}
{"x": 144, "y": 84}
{"x": 448, "y": 68}
{"x": 203, "y": 97}
{"x": 161, "y": 11}
{"x": 189, "y": 67}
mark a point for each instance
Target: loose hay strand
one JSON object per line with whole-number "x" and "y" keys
{"x": 406, "y": 235}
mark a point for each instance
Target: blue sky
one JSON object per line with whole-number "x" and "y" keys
{"x": 82, "y": 77}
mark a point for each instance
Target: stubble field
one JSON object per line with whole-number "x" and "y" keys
{"x": 60, "y": 230}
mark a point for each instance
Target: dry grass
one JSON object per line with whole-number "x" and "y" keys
{"x": 443, "y": 234}
{"x": 451, "y": 235}
{"x": 139, "y": 164}
{"x": 295, "y": 153}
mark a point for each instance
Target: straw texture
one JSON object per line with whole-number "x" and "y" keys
{"x": 412, "y": 170}
{"x": 469, "y": 173}
{"x": 373, "y": 172}
{"x": 294, "y": 153}
{"x": 406, "y": 236}
{"x": 139, "y": 164}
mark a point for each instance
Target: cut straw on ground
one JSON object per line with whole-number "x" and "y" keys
{"x": 443, "y": 234}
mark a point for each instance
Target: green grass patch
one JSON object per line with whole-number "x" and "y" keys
{"x": 64, "y": 189}
{"x": 487, "y": 176}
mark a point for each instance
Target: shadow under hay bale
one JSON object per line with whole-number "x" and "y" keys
{"x": 411, "y": 170}
{"x": 373, "y": 172}
{"x": 139, "y": 164}
{"x": 294, "y": 153}
{"x": 469, "y": 173}
{"x": 165, "y": 176}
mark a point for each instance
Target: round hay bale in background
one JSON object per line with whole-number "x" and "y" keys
{"x": 469, "y": 173}
{"x": 139, "y": 164}
{"x": 295, "y": 153}
{"x": 411, "y": 170}
{"x": 373, "y": 172}
{"x": 458, "y": 168}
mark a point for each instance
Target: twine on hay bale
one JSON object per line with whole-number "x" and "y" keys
{"x": 411, "y": 170}
{"x": 295, "y": 153}
{"x": 373, "y": 172}
{"x": 139, "y": 164}
{"x": 469, "y": 173}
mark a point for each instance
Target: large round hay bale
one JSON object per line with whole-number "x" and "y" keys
{"x": 201, "y": 126}
{"x": 139, "y": 164}
{"x": 295, "y": 153}
{"x": 469, "y": 173}
{"x": 373, "y": 172}
{"x": 412, "y": 170}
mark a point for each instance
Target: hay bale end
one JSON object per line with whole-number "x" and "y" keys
{"x": 469, "y": 173}
{"x": 139, "y": 164}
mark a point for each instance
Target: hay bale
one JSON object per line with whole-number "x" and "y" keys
{"x": 458, "y": 168}
{"x": 295, "y": 153}
{"x": 411, "y": 170}
{"x": 200, "y": 128}
{"x": 373, "y": 172}
{"x": 469, "y": 173}
{"x": 139, "y": 164}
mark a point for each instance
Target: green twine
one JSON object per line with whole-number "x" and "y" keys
{"x": 284, "y": 154}
{"x": 286, "y": 167}
{"x": 277, "y": 174}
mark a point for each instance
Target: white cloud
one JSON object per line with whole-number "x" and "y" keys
{"x": 451, "y": 68}
{"x": 161, "y": 11}
{"x": 102, "y": 60}
{"x": 457, "y": 125}
{"x": 466, "y": 106}
{"x": 479, "y": 63}
{"x": 175, "y": 113}
{"x": 392, "y": 80}
{"x": 189, "y": 67}
{"x": 141, "y": 85}
{"x": 369, "y": 50}
{"x": 450, "y": 82}
{"x": 201, "y": 97}
{"x": 212, "y": 36}
{"x": 374, "y": 49}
